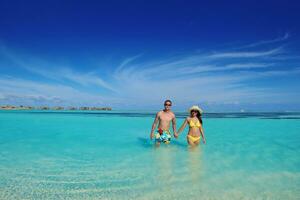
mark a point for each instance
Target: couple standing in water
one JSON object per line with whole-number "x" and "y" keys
{"x": 164, "y": 118}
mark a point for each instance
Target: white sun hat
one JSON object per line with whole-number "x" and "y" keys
{"x": 196, "y": 108}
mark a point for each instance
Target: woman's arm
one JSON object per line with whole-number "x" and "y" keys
{"x": 202, "y": 133}
{"x": 182, "y": 126}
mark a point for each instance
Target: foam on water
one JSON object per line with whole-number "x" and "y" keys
{"x": 59, "y": 155}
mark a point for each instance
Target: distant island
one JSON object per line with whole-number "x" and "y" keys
{"x": 10, "y": 107}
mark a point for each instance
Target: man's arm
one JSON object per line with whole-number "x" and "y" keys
{"x": 174, "y": 127}
{"x": 182, "y": 126}
{"x": 154, "y": 126}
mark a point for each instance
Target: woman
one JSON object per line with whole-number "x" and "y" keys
{"x": 195, "y": 123}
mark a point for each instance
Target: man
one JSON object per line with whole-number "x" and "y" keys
{"x": 164, "y": 118}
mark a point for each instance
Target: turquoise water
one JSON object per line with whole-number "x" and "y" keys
{"x": 73, "y": 155}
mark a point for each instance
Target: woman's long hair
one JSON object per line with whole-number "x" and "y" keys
{"x": 199, "y": 117}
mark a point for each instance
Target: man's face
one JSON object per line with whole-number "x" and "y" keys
{"x": 167, "y": 105}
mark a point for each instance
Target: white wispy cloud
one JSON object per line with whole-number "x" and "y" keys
{"x": 83, "y": 79}
{"x": 281, "y": 73}
{"x": 57, "y": 72}
{"x": 127, "y": 61}
{"x": 191, "y": 64}
{"x": 247, "y": 54}
{"x": 203, "y": 77}
{"x": 264, "y": 42}
{"x": 16, "y": 88}
{"x": 248, "y": 65}
{"x": 221, "y": 76}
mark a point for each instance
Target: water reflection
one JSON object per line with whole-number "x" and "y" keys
{"x": 163, "y": 162}
{"x": 164, "y": 171}
{"x": 195, "y": 164}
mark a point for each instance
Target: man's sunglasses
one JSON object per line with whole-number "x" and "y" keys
{"x": 168, "y": 104}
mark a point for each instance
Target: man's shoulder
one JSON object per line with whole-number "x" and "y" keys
{"x": 162, "y": 112}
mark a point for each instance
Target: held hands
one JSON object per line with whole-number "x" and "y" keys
{"x": 176, "y": 135}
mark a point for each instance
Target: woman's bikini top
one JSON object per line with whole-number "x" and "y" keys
{"x": 193, "y": 124}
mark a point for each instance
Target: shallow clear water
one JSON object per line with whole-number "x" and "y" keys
{"x": 79, "y": 155}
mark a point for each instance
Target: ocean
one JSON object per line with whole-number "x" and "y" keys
{"x": 108, "y": 155}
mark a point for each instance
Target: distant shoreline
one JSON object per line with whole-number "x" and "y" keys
{"x": 10, "y": 107}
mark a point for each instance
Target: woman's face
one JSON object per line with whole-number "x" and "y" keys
{"x": 194, "y": 113}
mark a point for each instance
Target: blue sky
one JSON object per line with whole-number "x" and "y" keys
{"x": 223, "y": 56}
